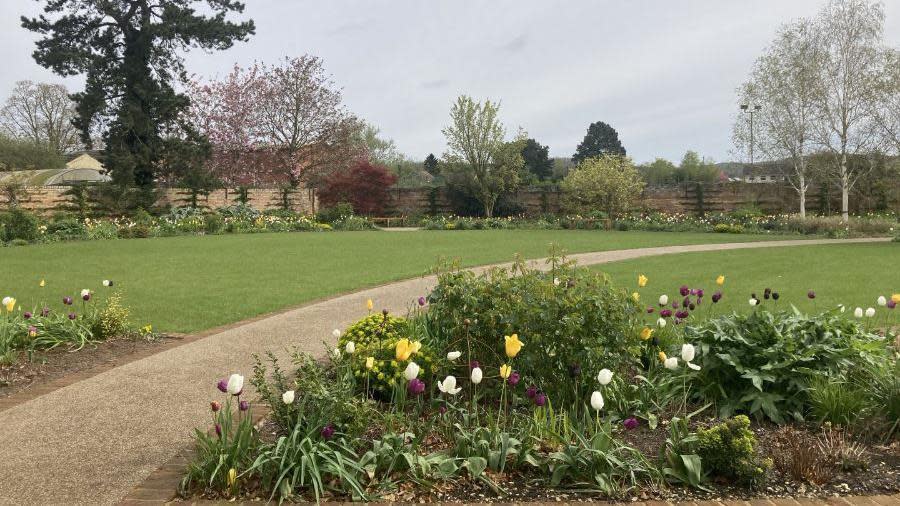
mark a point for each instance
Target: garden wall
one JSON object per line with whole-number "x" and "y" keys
{"x": 686, "y": 198}
{"x": 46, "y": 199}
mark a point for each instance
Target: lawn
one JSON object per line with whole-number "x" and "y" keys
{"x": 184, "y": 284}
{"x": 850, "y": 274}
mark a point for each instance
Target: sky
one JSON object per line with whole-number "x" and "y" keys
{"x": 662, "y": 73}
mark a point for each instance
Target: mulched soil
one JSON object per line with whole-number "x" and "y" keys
{"x": 46, "y": 367}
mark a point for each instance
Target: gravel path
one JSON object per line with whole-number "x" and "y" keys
{"x": 93, "y": 441}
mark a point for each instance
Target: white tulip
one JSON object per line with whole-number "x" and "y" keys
{"x": 687, "y": 352}
{"x": 477, "y": 375}
{"x": 448, "y": 386}
{"x": 882, "y": 301}
{"x": 6, "y": 300}
{"x": 350, "y": 347}
{"x": 85, "y": 292}
{"x": 693, "y": 366}
{"x": 336, "y": 352}
{"x": 841, "y": 307}
{"x": 556, "y": 281}
{"x": 235, "y": 384}
{"x": 753, "y": 302}
{"x": 288, "y": 397}
{"x": 604, "y": 376}
{"x": 671, "y": 363}
{"x": 870, "y": 312}
{"x": 336, "y": 333}
{"x": 858, "y": 312}
{"x": 412, "y": 370}
{"x": 105, "y": 282}
{"x": 596, "y": 401}
{"x": 453, "y": 355}
{"x": 663, "y": 299}
{"x": 661, "y": 322}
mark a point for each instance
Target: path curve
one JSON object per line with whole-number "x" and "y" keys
{"x": 93, "y": 441}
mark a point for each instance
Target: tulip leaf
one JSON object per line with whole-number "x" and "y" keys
{"x": 476, "y": 466}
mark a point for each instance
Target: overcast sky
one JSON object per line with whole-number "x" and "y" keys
{"x": 662, "y": 73}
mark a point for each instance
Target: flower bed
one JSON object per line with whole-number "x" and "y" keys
{"x": 20, "y": 227}
{"x": 518, "y": 384}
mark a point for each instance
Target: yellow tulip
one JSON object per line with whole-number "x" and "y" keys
{"x": 369, "y": 304}
{"x": 513, "y": 345}
{"x": 10, "y": 304}
{"x": 370, "y": 363}
{"x": 662, "y": 356}
{"x": 636, "y": 297}
{"x": 646, "y": 333}
{"x": 720, "y": 280}
{"x": 232, "y": 477}
{"x": 896, "y": 298}
{"x": 642, "y": 281}
{"x": 505, "y": 371}
{"x": 415, "y": 346}
{"x": 403, "y": 349}
{"x": 41, "y": 284}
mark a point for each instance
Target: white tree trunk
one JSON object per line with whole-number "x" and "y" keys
{"x": 845, "y": 190}
{"x": 801, "y": 189}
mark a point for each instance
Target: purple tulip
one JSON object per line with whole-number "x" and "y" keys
{"x": 630, "y": 423}
{"x": 531, "y": 391}
{"x": 86, "y": 297}
{"x": 681, "y": 315}
{"x": 699, "y": 292}
{"x": 575, "y": 370}
{"x": 27, "y": 315}
{"x": 45, "y": 311}
{"x": 215, "y": 406}
{"x": 67, "y": 300}
{"x": 540, "y": 399}
{"x": 442, "y": 410}
{"x": 513, "y": 379}
{"x": 422, "y": 301}
{"x": 717, "y": 297}
{"x": 473, "y": 364}
{"x": 327, "y": 431}
{"x": 686, "y": 302}
{"x": 775, "y": 296}
{"x": 72, "y": 316}
{"x": 684, "y": 290}
{"x": 415, "y": 387}
{"x": 674, "y": 304}
{"x": 693, "y": 291}
{"x": 691, "y": 306}
{"x": 665, "y": 313}
{"x": 218, "y": 430}
{"x": 222, "y": 385}
{"x": 699, "y": 300}
{"x": 811, "y": 294}
{"x": 891, "y": 304}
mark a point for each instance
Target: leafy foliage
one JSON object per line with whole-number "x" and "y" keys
{"x": 600, "y": 140}
{"x": 607, "y": 183}
{"x": 365, "y": 186}
{"x": 728, "y": 450}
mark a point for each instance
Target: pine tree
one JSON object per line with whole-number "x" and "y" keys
{"x": 601, "y": 139}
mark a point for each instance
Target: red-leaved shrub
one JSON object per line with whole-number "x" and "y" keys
{"x": 365, "y": 186}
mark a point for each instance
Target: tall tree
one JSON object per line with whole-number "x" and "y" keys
{"x": 887, "y": 113}
{"x": 608, "y": 183}
{"x": 431, "y": 164}
{"x": 377, "y": 149}
{"x": 850, "y": 44}
{"x": 477, "y": 154}
{"x": 537, "y": 159}
{"x": 693, "y": 168}
{"x": 785, "y": 81}
{"x": 130, "y": 52}
{"x": 41, "y": 113}
{"x": 601, "y": 139}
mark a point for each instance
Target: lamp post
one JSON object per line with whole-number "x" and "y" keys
{"x": 751, "y": 110}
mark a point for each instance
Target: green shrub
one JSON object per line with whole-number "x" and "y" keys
{"x": 112, "y": 319}
{"x": 352, "y": 223}
{"x": 568, "y": 319}
{"x": 374, "y": 329}
{"x": 728, "y": 228}
{"x": 213, "y": 223}
{"x": 335, "y": 213}
{"x": 728, "y": 450}
{"x": 19, "y": 224}
{"x": 67, "y": 229}
{"x": 762, "y": 363}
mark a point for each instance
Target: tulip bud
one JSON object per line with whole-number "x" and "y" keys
{"x": 597, "y": 401}
{"x": 215, "y": 406}
{"x": 477, "y": 375}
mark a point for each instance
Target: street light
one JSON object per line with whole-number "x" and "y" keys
{"x": 751, "y": 109}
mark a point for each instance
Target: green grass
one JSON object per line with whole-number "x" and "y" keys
{"x": 184, "y": 284}
{"x": 850, "y": 274}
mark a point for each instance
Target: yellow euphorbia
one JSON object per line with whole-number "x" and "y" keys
{"x": 505, "y": 371}
{"x": 662, "y": 356}
{"x": 404, "y": 349}
{"x": 720, "y": 280}
{"x": 513, "y": 345}
{"x": 646, "y": 332}
{"x": 642, "y": 281}
{"x": 636, "y": 297}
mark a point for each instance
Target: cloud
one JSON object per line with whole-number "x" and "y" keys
{"x": 435, "y": 84}
{"x": 515, "y": 45}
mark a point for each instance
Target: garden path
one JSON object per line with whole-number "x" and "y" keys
{"x": 93, "y": 441}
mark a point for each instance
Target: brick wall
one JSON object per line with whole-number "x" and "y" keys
{"x": 45, "y": 199}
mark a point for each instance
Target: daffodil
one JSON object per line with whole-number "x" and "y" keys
{"x": 370, "y": 363}
{"x": 720, "y": 280}
{"x": 403, "y": 350}
{"x": 646, "y": 332}
{"x": 513, "y": 345}
{"x": 642, "y": 281}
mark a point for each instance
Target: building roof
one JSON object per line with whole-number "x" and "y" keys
{"x": 51, "y": 177}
